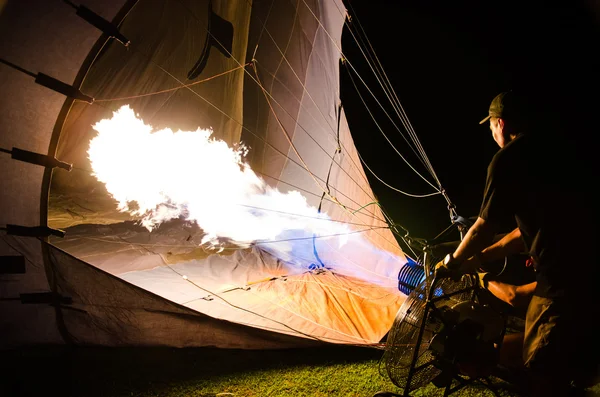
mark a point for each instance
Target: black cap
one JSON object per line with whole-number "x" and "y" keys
{"x": 505, "y": 105}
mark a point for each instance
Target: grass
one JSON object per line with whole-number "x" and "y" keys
{"x": 204, "y": 372}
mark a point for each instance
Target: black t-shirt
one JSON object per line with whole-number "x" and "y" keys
{"x": 534, "y": 182}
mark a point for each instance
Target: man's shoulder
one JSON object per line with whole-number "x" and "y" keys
{"x": 512, "y": 152}
{"x": 531, "y": 148}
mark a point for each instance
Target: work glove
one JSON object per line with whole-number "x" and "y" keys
{"x": 448, "y": 269}
{"x": 454, "y": 271}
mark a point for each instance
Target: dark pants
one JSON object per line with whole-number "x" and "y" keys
{"x": 561, "y": 341}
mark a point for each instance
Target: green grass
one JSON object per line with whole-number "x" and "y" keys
{"x": 204, "y": 372}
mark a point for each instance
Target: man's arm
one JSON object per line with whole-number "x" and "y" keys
{"x": 510, "y": 244}
{"x": 480, "y": 235}
{"x": 514, "y": 295}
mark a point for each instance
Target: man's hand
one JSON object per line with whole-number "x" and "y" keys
{"x": 441, "y": 270}
{"x": 449, "y": 268}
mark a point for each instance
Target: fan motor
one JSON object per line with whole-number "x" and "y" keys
{"x": 470, "y": 338}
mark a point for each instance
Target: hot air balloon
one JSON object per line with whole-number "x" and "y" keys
{"x": 284, "y": 245}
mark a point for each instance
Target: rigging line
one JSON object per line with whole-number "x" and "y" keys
{"x": 366, "y": 205}
{"x": 386, "y": 137}
{"x": 341, "y": 52}
{"x": 291, "y": 143}
{"x": 386, "y": 90}
{"x": 129, "y": 247}
{"x": 287, "y": 45}
{"x": 392, "y": 225}
{"x": 400, "y": 113}
{"x": 291, "y": 30}
{"x": 91, "y": 64}
{"x": 308, "y": 134}
{"x": 332, "y": 158}
{"x": 344, "y": 12}
{"x": 337, "y": 150}
{"x": 394, "y": 230}
{"x": 407, "y": 122}
{"x": 389, "y": 117}
{"x": 386, "y": 84}
{"x": 265, "y": 21}
{"x": 396, "y": 104}
{"x": 143, "y": 246}
{"x": 415, "y": 255}
{"x": 304, "y": 89}
{"x": 396, "y": 189}
{"x": 389, "y": 221}
{"x": 422, "y": 157}
{"x": 388, "y": 87}
{"x": 300, "y": 157}
{"x": 368, "y": 214}
{"x": 341, "y": 144}
{"x": 404, "y": 240}
{"x": 265, "y": 327}
{"x": 174, "y": 88}
{"x": 293, "y": 147}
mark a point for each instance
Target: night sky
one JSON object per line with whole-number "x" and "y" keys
{"x": 446, "y": 61}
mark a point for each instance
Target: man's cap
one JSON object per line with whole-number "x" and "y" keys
{"x": 505, "y": 105}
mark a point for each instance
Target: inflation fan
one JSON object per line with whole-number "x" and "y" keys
{"x": 444, "y": 333}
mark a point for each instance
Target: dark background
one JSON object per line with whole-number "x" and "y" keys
{"x": 446, "y": 61}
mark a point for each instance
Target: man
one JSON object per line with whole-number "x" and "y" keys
{"x": 531, "y": 180}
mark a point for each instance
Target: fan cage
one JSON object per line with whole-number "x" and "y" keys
{"x": 403, "y": 336}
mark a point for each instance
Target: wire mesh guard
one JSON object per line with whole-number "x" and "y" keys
{"x": 402, "y": 340}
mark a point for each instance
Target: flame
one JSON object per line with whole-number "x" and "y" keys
{"x": 163, "y": 175}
